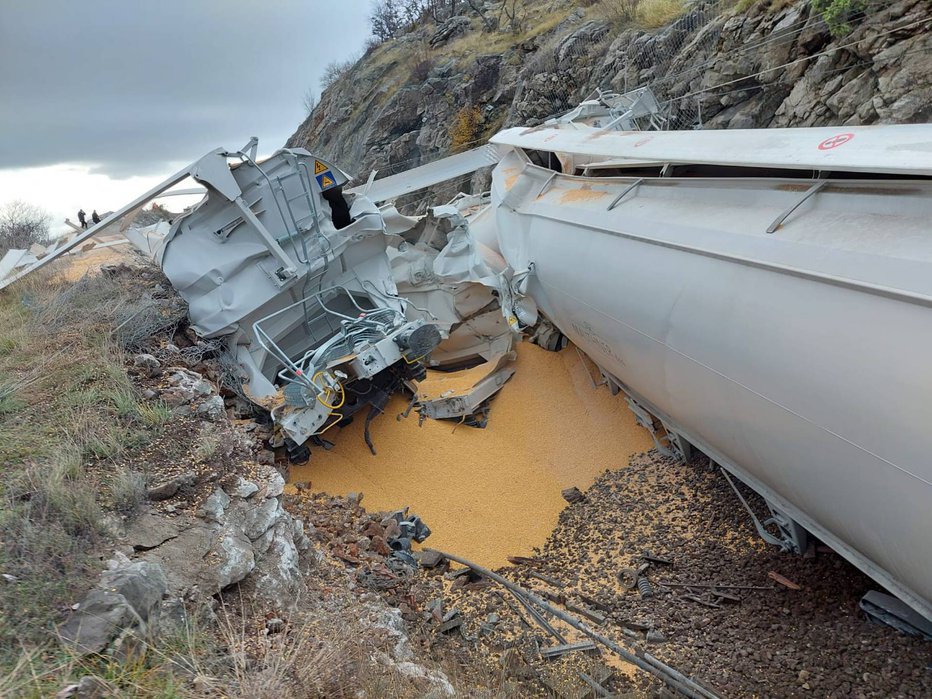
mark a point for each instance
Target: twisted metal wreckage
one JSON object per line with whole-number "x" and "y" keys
{"x": 328, "y": 303}
{"x": 761, "y": 297}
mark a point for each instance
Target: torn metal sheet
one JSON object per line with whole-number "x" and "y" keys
{"x": 293, "y": 276}
{"x": 447, "y": 277}
{"x": 211, "y": 171}
{"x": 888, "y": 610}
{"x": 462, "y": 394}
{"x": 425, "y": 176}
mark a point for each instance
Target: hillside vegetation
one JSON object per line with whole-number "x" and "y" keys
{"x": 447, "y": 77}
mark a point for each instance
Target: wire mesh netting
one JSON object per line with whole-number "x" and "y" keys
{"x": 594, "y": 56}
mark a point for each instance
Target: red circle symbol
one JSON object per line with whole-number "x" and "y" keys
{"x": 835, "y": 141}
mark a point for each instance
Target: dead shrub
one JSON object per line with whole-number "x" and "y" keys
{"x": 467, "y": 126}
{"x": 619, "y": 12}
{"x": 652, "y": 14}
{"x": 310, "y": 658}
{"x": 128, "y": 491}
{"x": 421, "y": 70}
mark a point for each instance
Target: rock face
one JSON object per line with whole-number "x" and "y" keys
{"x": 236, "y": 533}
{"x": 759, "y": 68}
{"x": 125, "y": 604}
{"x": 243, "y": 536}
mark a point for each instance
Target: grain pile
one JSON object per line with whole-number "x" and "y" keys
{"x": 769, "y": 642}
{"x": 494, "y": 492}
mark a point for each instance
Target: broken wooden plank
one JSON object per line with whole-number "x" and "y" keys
{"x": 563, "y": 649}
{"x": 559, "y": 598}
{"x": 592, "y": 602}
{"x": 786, "y": 582}
{"x": 545, "y": 578}
{"x": 634, "y": 625}
{"x": 591, "y": 615}
{"x": 525, "y": 561}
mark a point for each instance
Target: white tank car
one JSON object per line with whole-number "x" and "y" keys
{"x": 766, "y": 294}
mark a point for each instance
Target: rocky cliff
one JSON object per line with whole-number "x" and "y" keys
{"x": 442, "y": 87}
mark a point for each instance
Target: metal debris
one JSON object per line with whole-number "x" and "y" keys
{"x": 673, "y": 678}
{"x": 525, "y": 560}
{"x": 647, "y": 556}
{"x": 715, "y": 586}
{"x": 591, "y": 615}
{"x": 697, "y": 599}
{"x": 628, "y": 578}
{"x": 644, "y": 588}
{"x": 888, "y": 610}
{"x": 561, "y": 650}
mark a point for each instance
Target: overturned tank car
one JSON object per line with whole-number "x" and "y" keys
{"x": 293, "y": 273}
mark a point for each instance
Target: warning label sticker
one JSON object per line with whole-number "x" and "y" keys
{"x": 835, "y": 141}
{"x": 319, "y": 167}
{"x": 326, "y": 180}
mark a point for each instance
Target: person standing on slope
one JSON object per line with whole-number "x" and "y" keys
{"x": 82, "y": 218}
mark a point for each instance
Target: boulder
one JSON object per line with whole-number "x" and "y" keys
{"x": 453, "y": 27}
{"x": 126, "y": 601}
{"x": 169, "y": 488}
{"x": 213, "y": 408}
{"x": 146, "y": 361}
{"x": 97, "y": 621}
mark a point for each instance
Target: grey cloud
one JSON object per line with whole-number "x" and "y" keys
{"x": 129, "y": 87}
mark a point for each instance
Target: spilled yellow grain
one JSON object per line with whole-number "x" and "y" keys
{"x": 494, "y": 492}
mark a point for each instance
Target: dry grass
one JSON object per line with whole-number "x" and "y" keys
{"x": 67, "y": 408}
{"x": 620, "y": 13}
{"x": 67, "y": 411}
{"x": 652, "y": 14}
{"x": 742, "y": 6}
{"x": 648, "y": 14}
{"x": 538, "y": 19}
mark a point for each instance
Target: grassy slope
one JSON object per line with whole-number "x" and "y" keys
{"x": 70, "y": 418}
{"x": 67, "y": 410}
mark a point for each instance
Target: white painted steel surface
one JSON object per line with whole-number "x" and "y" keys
{"x": 903, "y": 149}
{"x": 433, "y": 173}
{"x": 799, "y": 360}
{"x": 211, "y": 171}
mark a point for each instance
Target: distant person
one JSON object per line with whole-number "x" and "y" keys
{"x": 82, "y": 218}
{"x": 94, "y": 217}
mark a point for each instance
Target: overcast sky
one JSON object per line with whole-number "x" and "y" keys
{"x": 101, "y": 99}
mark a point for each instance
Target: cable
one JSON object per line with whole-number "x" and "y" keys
{"x": 783, "y": 39}
{"x": 799, "y": 60}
